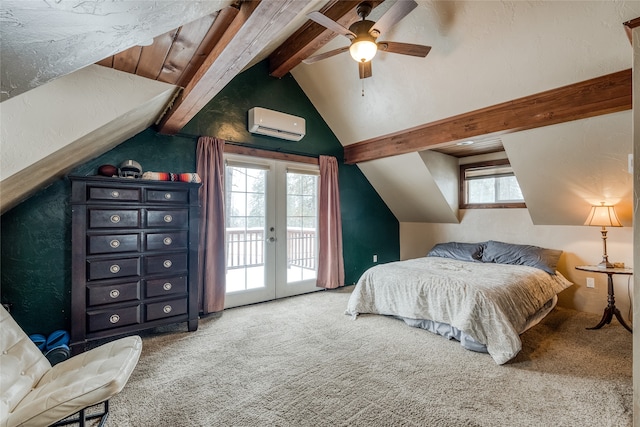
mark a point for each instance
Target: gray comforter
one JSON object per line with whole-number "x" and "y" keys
{"x": 489, "y": 302}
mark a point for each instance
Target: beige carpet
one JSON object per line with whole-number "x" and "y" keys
{"x": 301, "y": 362}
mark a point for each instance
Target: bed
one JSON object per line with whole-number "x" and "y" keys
{"x": 482, "y": 294}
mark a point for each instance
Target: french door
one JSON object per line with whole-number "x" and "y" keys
{"x": 271, "y": 229}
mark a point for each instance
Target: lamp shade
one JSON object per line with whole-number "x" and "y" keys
{"x": 363, "y": 49}
{"x": 603, "y": 216}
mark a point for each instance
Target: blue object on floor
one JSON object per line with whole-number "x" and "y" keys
{"x": 58, "y": 354}
{"x": 57, "y": 338}
{"x": 39, "y": 340}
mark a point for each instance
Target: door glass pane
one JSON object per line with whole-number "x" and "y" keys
{"x": 245, "y": 190}
{"x": 302, "y": 226}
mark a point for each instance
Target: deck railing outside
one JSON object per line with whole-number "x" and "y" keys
{"x": 301, "y": 248}
{"x": 245, "y": 247}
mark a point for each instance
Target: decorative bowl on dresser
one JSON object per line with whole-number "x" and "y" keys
{"x": 134, "y": 256}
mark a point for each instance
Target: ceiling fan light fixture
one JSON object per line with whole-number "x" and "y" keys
{"x": 364, "y": 33}
{"x": 363, "y": 49}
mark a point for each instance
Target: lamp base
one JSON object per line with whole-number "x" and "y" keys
{"x": 605, "y": 258}
{"x": 605, "y": 264}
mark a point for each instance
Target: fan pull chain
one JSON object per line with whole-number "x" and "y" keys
{"x": 362, "y": 86}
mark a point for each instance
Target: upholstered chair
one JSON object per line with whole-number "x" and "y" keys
{"x": 33, "y": 393}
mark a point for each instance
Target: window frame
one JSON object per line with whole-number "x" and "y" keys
{"x": 462, "y": 196}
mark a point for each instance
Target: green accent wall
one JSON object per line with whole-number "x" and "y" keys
{"x": 35, "y": 236}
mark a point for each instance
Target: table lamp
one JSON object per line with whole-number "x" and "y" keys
{"x": 603, "y": 216}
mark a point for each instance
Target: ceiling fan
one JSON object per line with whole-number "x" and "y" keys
{"x": 363, "y": 35}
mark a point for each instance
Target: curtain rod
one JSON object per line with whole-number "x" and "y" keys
{"x": 247, "y": 145}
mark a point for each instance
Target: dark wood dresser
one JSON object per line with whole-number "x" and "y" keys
{"x": 134, "y": 256}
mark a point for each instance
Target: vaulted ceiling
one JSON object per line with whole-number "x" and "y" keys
{"x": 177, "y": 55}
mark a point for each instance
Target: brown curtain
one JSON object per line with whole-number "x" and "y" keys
{"x": 330, "y": 261}
{"x": 210, "y": 167}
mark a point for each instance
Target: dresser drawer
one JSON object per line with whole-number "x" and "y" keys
{"x": 114, "y": 218}
{"x": 113, "y": 243}
{"x": 168, "y": 286}
{"x": 168, "y": 264}
{"x": 167, "y": 196}
{"x": 175, "y": 218}
{"x": 164, "y": 309}
{"x": 108, "y": 269}
{"x": 115, "y": 318}
{"x": 166, "y": 241}
{"x": 114, "y": 193}
{"x": 109, "y": 294}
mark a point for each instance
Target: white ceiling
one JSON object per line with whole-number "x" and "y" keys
{"x": 483, "y": 53}
{"x": 43, "y": 40}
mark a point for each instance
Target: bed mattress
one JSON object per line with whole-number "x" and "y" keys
{"x": 491, "y": 304}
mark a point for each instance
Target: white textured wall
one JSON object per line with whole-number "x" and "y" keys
{"x": 581, "y": 245}
{"x": 565, "y": 169}
{"x": 413, "y": 185}
{"x": 46, "y": 119}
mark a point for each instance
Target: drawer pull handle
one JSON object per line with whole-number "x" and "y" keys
{"x": 167, "y": 286}
{"x": 167, "y": 196}
{"x": 114, "y": 318}
{"x": 114, "y": 243}
{"x": 114, "y": 293}
{"x": 167, "y": 263}
{"x": 114, "y": 268}
{"x": 168, "y": 218}
{"x": 167, "y": 309}
{"x": 115, "y": 194}
{"x": 167, "y": 241}
{"x": 115, "y": 219}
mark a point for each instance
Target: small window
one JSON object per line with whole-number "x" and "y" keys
{"x": 489, "y": 185}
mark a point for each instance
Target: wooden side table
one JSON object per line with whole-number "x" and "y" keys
{"x": 611, "y": 309}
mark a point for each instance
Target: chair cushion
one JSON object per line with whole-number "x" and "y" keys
{"x": 22, "y": 364}
{"x": 83, "y": 380}
{"x": 34, "y": 393}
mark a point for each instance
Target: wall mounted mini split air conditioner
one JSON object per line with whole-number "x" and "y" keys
{"x": 274, "y": 123}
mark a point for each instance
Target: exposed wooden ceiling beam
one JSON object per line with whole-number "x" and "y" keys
{"x": 312, "y": 36}
{"x": 602, "y": 95}
{"x": 629, "y": 25}
{"x": 249, "y": 32}
{"x": 186, "y": 42}
{"x": 208, "y": 43}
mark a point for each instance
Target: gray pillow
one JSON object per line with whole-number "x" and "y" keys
{"x": 533, "y": 256}
{"x": 459, "y": 251}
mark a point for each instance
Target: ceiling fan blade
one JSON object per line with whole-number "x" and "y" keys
{"x": 325, "y": 55}
{"x": 405, "y": 48}
{"x": 399, "y": 10}
{"x": 365, "y": 69}
{"x": 330, "y": 24}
